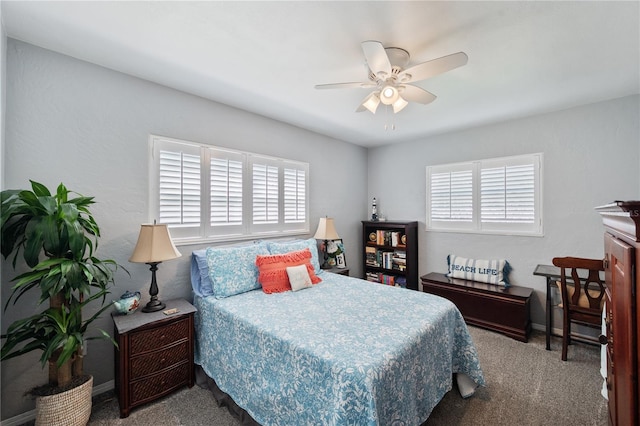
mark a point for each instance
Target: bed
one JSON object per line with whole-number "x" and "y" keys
{"x": 343, "y": 351}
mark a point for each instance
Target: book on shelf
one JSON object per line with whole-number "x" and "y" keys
{"x": 389, "y": 238}
{"x": 386, "y": 279}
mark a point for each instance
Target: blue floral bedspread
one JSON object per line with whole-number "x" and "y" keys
{"x": 343, "y": 352}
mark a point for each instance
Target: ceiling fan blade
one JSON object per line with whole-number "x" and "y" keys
{"x": 356, "y": 85}
{"x": 434, "y": 67}
{"x": 416, "y": 94}
{"x": 377, "y": 58}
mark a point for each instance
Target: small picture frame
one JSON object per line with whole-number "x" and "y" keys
{"x": 336, "y": 254}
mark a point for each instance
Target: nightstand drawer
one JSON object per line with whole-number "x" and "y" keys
{"x": 155, "y": 361}
{"x": 159, "y": 384}
{"x": 156, "y": 338}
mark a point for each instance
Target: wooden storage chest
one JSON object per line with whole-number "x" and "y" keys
{"x": 502, "y": 309}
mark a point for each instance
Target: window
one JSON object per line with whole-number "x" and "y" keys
{"x": 500, "y": 195}
{"x": 207, "y": 193}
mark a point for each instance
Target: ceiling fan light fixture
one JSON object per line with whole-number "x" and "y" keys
{"x": 371, "y": 102}
{"x": 389, "y": 95}
{"x": 399, "y": 105}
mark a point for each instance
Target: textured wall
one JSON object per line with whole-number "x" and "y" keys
{"x": 591, "y": 156}
{"x": 73, "y": 122}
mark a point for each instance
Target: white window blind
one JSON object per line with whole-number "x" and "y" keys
{"x": 265, "y": 194}
{"x": 226, "y": 192}
{"x": 179, "y": 188}
{"x": 507, "y": 194}
{"x": 295, "y": 200}
{"x": 500, "y": 195}
{"x": 452, "y": 196}
{"x": 206, "y": 193}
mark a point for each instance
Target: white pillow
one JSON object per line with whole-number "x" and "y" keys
{"x": 495, "y": 271}
{"x": 299, "y": 277}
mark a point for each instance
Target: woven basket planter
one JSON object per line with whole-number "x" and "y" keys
{"x": 69, "y": 408}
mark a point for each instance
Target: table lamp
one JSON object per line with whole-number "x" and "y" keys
{"x": 326, "y": 231}
{"x": 153, "y": 247}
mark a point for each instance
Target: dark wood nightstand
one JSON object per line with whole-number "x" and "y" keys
{"x": 341, "y": 271}
{"x": 155, "y": 354}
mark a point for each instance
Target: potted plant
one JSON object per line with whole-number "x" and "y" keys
{"x": 57, "y": 236}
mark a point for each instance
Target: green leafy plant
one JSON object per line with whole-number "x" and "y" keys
{"x": 57, "y": 236}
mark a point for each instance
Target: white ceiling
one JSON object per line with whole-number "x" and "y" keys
{"x": 265, "y": 57}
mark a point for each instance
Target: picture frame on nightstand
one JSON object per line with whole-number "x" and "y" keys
{"x": 337, "y": 258}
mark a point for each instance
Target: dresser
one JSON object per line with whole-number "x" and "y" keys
{"x": 622, "y": 317}
{"x": 154, "y": 355}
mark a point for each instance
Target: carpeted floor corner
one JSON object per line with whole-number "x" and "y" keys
{"x": 526, "y": 385}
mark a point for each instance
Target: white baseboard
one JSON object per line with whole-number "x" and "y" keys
{"x": 31, "y": 415}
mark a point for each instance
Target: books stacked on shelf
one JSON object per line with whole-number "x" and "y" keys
{"x": 389, "y": 238}
{"x": 395, "y": 260}
{"x": 372, "y": 256}
{"x": 399, "y": 261}
{"x": 381, "y": 278}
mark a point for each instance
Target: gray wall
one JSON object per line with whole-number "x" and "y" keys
{"x": 73, "y": 122}
{"x": 591, "y": 157}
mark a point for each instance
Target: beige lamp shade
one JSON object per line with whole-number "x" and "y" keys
{"x": 326, "y": 230}
{"x": 154, "y": 245}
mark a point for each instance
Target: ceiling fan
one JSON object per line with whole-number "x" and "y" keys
{"x": 390, "y": 77}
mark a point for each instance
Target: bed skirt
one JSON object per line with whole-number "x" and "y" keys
{"x": 223, "y": 399}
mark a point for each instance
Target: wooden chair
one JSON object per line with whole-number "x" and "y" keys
{"x": 582, "y": 291}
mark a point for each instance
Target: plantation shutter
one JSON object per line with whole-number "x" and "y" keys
{"x": 452, "y": 196}
{"x": 226, "y": 189}
{"x": 295, "y": 202}
{"x": 265, "y": 194}
{"x": 179, "y": 188}
{"x": 507, "y": 194}
{"x": 498, "y": 195}
{"x": 206, "y": 193}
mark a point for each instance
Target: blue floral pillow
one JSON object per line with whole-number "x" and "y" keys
{"x": 233, "y": 270}
{"x": 282, "y": 247}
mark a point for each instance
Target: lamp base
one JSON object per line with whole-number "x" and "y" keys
{"x": 153, "y": 306}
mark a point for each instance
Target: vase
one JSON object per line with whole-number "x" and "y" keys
{"x": 69, "y": 408}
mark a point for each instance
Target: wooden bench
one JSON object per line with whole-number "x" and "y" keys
{"x": 490, "y": 306}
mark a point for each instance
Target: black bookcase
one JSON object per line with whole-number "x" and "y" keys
{"x": 390, "y": 252}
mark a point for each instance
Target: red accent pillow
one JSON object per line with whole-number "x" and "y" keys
{"x": 272, "y": 270}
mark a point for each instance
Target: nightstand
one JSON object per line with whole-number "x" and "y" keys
{"x": 341, "y": 271}
{"x": 154, "y": 355}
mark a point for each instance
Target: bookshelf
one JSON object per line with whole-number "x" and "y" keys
{"x": 390, "y": 253}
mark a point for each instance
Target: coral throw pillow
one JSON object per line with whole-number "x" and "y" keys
{"x": 272, "y": 270}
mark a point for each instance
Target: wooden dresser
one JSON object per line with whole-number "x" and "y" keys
{"x": 154, "y": 355}
{"x": 622, "y": 258}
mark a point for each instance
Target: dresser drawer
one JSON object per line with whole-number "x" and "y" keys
{"x": 152, "y": 362}
{"x": 156, "y": 338}
{"x": 153, "y": 386}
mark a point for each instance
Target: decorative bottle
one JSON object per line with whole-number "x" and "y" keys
{"x": 374, "y": 210}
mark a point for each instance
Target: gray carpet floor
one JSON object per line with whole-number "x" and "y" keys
{"x": 526, "y": 385}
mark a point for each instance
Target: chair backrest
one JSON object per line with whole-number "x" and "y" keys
{"x": 583, "y": 275}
